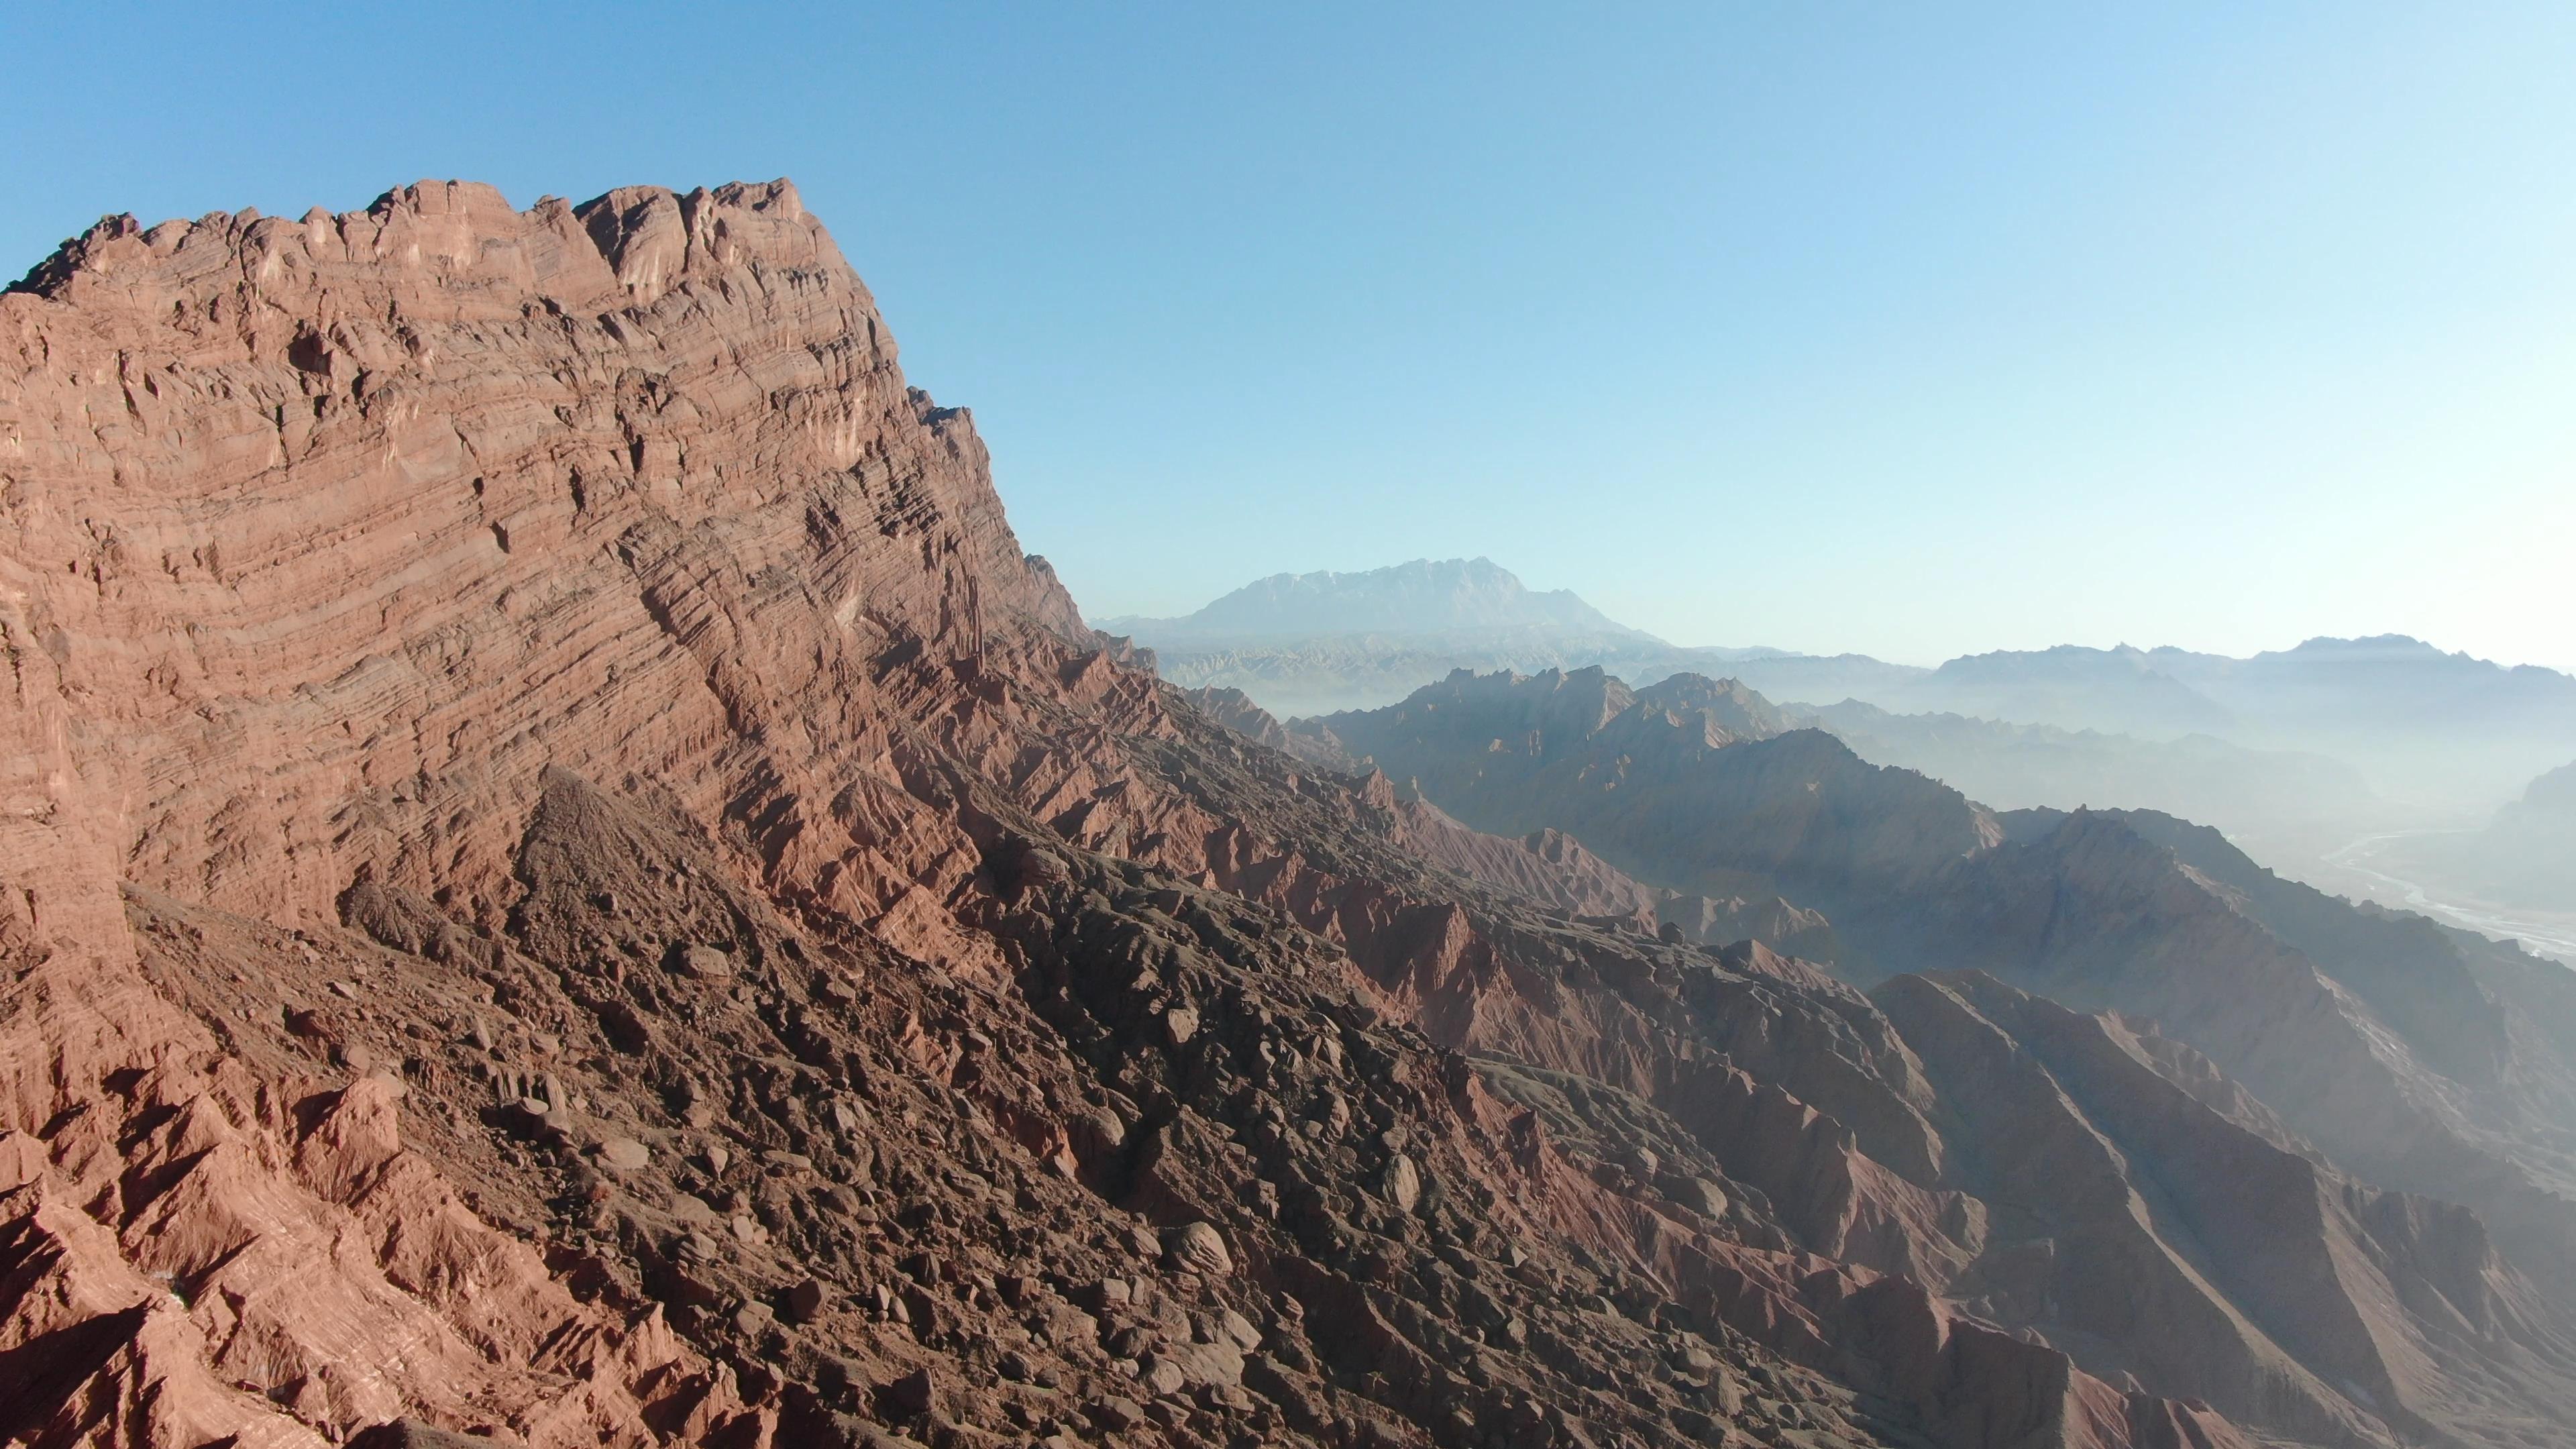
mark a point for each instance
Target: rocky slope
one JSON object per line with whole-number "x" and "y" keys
{"x": 564, "y": 881}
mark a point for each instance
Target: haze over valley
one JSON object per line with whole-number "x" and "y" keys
{"x": 2368, "y": 766}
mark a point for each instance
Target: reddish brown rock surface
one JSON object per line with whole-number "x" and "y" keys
{"x": 563, "y": 880}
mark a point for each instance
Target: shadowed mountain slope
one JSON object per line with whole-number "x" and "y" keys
{"x": 2415, "y": 1058}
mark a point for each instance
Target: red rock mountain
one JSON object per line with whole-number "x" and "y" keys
{"x": 564, "y": 881}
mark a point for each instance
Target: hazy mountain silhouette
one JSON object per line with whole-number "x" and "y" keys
{"x": 1424, "y": 596}
{"x": 2329, "y": 739}
{"x": 1303, "y": 644}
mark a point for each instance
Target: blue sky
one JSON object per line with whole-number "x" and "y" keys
{"x": 1912, "y": 330}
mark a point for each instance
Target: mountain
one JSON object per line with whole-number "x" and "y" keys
{"x": 2440, "y": 730}
{"x": 2449, "y": 726}
{"x": 2412, "y": 685}
{"x": 1318, "y": 642}
{"x": 2292, "y": 802}
{"x": 2118, "y": 691}
{"x": 568, "y": 882}
{"x": 1421, "y": 597}
{"x": 2547, "y": 804}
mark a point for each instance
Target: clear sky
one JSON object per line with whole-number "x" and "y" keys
{"x": 1908, "y": 329}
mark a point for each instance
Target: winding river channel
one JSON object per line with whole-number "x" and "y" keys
{"x": 2364, "y": 865}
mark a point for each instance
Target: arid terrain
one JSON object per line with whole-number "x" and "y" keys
{"x": 564, "y": 880}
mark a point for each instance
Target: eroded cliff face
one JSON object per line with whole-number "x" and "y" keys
{"x": 563, "y": 878}
{"x": 392, "y": 510}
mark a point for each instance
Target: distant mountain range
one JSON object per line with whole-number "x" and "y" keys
{"x": 1304, "y": 644}
{"x": 2321, "y": 731}
{"x": 2436, "y": 728}
{"x": 2270, "y": 795}
{"x": 1424, "y": 597}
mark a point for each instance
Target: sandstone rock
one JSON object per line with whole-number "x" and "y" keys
{"x": 1143, "y": 1242}
{"x": 413, "y": 1434}
{"x": 1238, "y": 1330}
{"x": 805, "y": 1300}
{"x": 914, "y": 1393}
{"x": 1201, "y": 1365}
{"x": 1160, "y": 1375}
{"x": 1105, "y": 1132}
{"x": 1117, "y": 1414}
{"x": 706, "y": 963}
{"x": 1401, "y": 1182}
{"x": 624, "y": 1154}
{"x": 1199, "y": 1248}
{"x": 1699, "y": 1195}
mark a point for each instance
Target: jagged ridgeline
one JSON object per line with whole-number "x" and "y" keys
{"x": 565, "y": 881}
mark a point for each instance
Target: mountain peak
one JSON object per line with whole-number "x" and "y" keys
{"x": 1422, "y": 596}
{"x": 627, "y": 247}
{"x": 2383, "y": 644}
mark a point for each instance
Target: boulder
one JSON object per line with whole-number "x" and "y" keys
{"x": 1198, "y": 1248}
{"x": 1401, "y": 1182}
